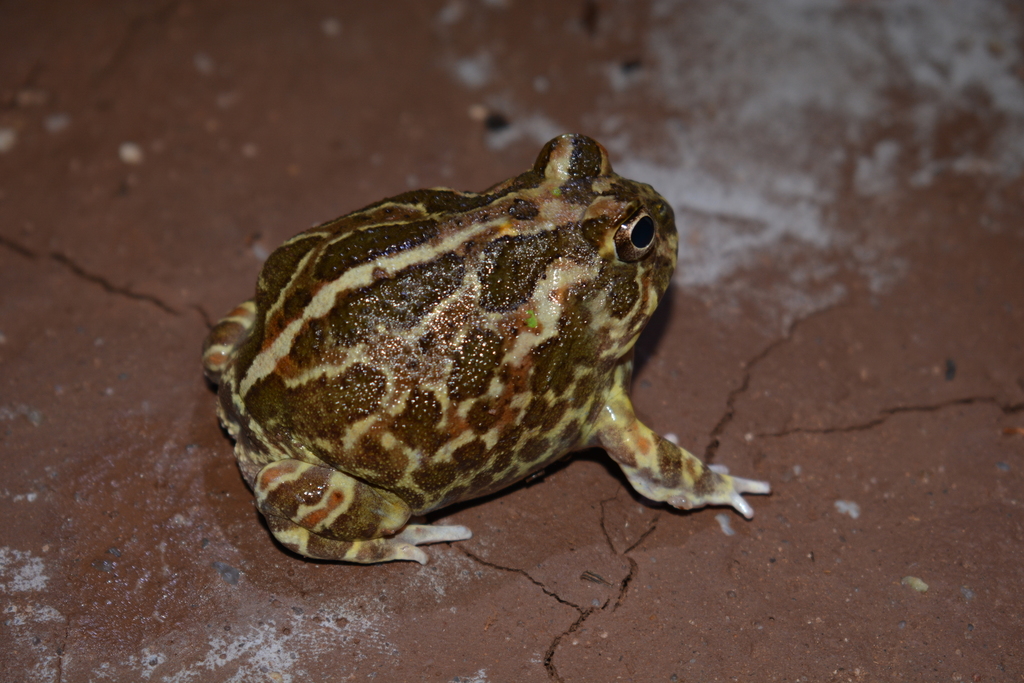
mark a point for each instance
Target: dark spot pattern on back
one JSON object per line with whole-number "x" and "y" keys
{"x": 471, "y": 456}
{"x": 586, "y": 158}
{"x": 436, "y": 476}
{"x": 619, "y": 282}
{"x": 505, "y": 450}
{"x": 280, "y": 269}
{"x": 376, "y": 464}
{"x": 595, "y": 230}
{"x": 534, "y": 449}
{"x": 523, "y": 210}
{"x": 578, "y": 192}
{"x": 370, "y": 244}
{"x": 449, "y": 201}
{"x": 322, "y": 407}
{"x": 475, "y": 364}
{"x": 295, "y": 303}
{"x": 398, "y": 302}
{"x": 415, "y": 425}
{"x": 511, "y": 268}
{"x": 482, "y": 415}
{"x": 570, "y": 434}
{"x": 427, "y": 341}
{"x": 556, "y": 360}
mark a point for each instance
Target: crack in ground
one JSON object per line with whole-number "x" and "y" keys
{"x": 61, "y": 649}
{"x": 107, "y": 286}
{"x": 604, "y": 529}
{"x": 730, "y": 402}
{"x": 886, "y": 413}
{"x": 17, "y": 248}
{"x": 608, "y": 539}
{"x": 77, "y": 270}
{"x": 516, "y": 570}
{"x": 549, "y": 665}
{"x": 644, "y": 535}
{"x": 549, "y": 655}
{"x": 204, "y": 315}
{"x": 633, "y": 568}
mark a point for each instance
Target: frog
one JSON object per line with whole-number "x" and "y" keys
{"x": 439, "y": 346}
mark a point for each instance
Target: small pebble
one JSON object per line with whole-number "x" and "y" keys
{"x": 8, "y": 138}
{"x": 672, "y": 438}
{"x": 102, "y": 565}
{"x": 1003, "y": 466}
{"x": 848, "y": 507}
{"x": 950, "y": 369}
{"x": 330, "y": 26}
{"x": 227, "y": 572}
{"x": 32, "y": 97}
{"x": 967, "y": 593}
{"x": 203, "y": 63}
{"x": 55, "y": 123}
{"x": 130, "y": 153}
{"x": 915, "y": 583}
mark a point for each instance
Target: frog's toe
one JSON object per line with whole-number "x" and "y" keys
{"x": 407, "y": 551}
{"x": 421, "y": 534}
{"x": 404, "y": 543}
{"x": 739, "y": 486}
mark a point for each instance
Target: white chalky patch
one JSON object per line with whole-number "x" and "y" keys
{"x": 21, "y": 571}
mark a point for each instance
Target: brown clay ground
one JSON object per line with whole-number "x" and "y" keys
{"x": 847, "y": 322}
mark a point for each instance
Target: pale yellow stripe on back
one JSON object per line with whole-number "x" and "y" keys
{"x": 279, "y": 302}
{"x": 357, "y": 277}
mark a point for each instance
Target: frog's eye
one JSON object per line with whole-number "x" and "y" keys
{"x": 635, "y": 238}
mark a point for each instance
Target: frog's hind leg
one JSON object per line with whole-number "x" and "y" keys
{"x": 322, "y": 513}
{"x": 228, "y": 333}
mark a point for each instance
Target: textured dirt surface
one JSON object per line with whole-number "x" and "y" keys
{"x": 847, "y": 322}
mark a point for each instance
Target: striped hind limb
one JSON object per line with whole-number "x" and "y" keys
{"x": 325, "y": 514}
{"x": 220, "y": 343}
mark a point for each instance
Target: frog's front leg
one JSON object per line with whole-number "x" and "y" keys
{"x": 322, "y": 513}
{"x": 660, "y": 470}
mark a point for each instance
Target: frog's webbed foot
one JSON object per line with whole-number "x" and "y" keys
{"x": 325, "y": 514}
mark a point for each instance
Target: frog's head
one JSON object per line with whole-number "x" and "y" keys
{"x": 625, "y": 229}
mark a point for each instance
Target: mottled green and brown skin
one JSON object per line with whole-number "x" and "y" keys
{"x": 442, "y": 345}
